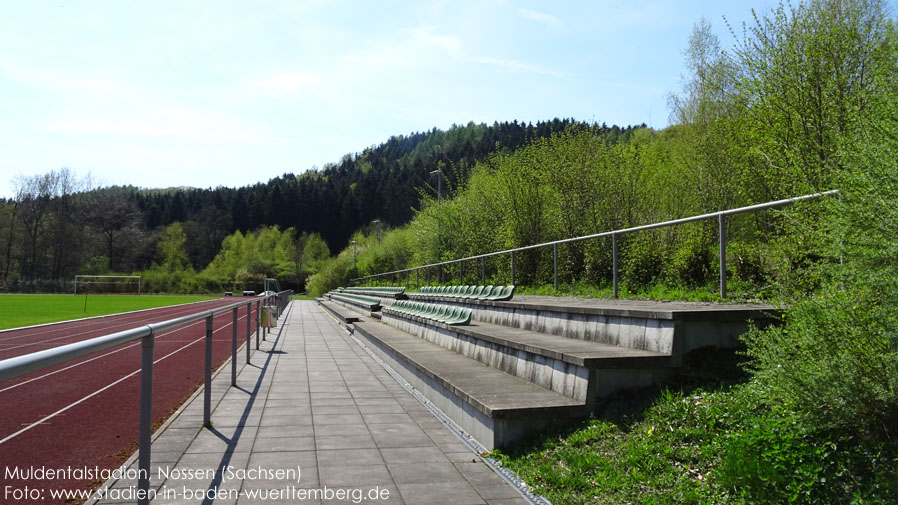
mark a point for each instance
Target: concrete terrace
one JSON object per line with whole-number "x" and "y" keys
{"x": 314, "y": 403}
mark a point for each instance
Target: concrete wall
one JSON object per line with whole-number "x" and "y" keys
{"x": 563, "y": 378}
{"x": 648, "y": 334}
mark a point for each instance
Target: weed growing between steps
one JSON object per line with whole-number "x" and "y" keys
{"x": 702, "y": 439}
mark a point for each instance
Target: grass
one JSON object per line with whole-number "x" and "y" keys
{"x": 703, "y": 439}
{"x": 26, "y": 310}
{"x": 654, "y": 446}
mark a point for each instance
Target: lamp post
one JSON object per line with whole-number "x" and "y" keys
{"x": 377, "y": 222}
{"x": 439, "y": 222}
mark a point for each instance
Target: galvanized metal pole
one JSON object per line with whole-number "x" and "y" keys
{"x": 722, "y": 228}
{"x": 207, "y": 385}
{"x": 555, "y": 264}
{"x": 146, "y": 418}
{"x": 258, "y": 322}
{"x": 234, "y": 349}
{"x": 482, "y": 270}
{"x": 266, "y": 319}
{"x": 461, "y": 273}
{"x": 249, "y": 312}
{"x": 614, "y": 263}
{"x": 512, "y": 267}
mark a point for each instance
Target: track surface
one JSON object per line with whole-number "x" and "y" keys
{"x": 102, "y": 429}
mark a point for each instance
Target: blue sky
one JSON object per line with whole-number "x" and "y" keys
{"x": 203, "y": 94}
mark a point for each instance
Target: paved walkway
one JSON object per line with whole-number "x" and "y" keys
{"x": 314, "y": 414}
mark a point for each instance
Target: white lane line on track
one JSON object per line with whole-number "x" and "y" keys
{"x": 104, "y": 388}
{"x": 119, "y": 324}
{"x": 102, "y": 356}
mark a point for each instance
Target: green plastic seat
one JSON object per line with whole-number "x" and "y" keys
{"x": 487, "y": 291}
{"x": 477, "y": 292}
{"x": 463, "y": 318}
{"x": 505, "y": 294}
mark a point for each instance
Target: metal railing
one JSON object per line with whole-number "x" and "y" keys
{"x": 21, "y": 365}
{"x": 721, "y": 217}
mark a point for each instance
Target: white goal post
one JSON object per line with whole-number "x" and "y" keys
{"x": 106, "y": 280}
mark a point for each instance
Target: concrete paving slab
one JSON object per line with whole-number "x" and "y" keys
{"x": 315, "y": 413}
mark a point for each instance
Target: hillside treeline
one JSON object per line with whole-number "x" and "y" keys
{"x": 59, "y": 225}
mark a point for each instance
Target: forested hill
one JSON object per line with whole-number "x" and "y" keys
{"x": 383, "y": 182}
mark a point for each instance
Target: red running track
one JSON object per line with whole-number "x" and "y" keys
{"x": 94, "y": 400}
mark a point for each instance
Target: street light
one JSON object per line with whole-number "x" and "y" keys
{"x": 355, "y": 260}
{"x": 439, "y": 223}
{"x": 377, "y": 222}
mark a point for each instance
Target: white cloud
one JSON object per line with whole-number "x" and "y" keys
{"x": 450, "y": 43}
{"x": 541, "y": 17}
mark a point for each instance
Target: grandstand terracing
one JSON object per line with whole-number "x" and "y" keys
{"x": 503, "y": 366}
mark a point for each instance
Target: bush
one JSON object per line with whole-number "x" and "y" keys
{"x": 642, "y": 260}
{"x": 690, "y": 262}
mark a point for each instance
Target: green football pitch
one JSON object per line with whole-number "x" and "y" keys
{"x": 26, "y": 310}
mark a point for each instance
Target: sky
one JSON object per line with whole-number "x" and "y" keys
{"x": 222, "y": 93}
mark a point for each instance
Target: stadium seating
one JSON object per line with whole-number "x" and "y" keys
{"x": 453, "y": 316}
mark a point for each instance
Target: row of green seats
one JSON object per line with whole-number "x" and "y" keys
{"x": 348, "y": 297}
{"x": 377, "y": 289}
{"x": 497, "y": 293}
{"x": 454, "y": 316}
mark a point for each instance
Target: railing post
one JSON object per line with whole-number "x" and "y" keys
{"x": 258, "y": 322}
{"x": 482, "y": 271}
{"x": 249, "y": 332}
{"x": 146, "y": 417}
{"x": 461, "y": 273}
{"x": 207, "y": 385}
{"x": 234, "y": 349}
{"x": 267, "y": 321}
{"x": 417, "y": 278}
{"x": 512, "y": 267}
{"x": 614, "y": 263}
{"x": 555, "y": 264}
{"x": 721, "y": 222}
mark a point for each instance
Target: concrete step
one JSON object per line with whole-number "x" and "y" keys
{"x": 579, "y": 369}
{"x": 351, "y": 307}
{"x": 673, "y": 328}
{"x": 494, "y": 407}
{"x": 343, "y": 314}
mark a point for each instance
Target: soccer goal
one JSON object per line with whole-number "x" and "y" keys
{"x": 120, "y": 284}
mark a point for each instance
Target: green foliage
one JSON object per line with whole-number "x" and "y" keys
{"x": 772, "y": 460}
{"x": 244, "y": 261}
{"x": 172, "y": 249}
{"x": 836, "y": 358}
{"x": 332, "y": 273}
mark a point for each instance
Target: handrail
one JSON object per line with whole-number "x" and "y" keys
{"x": 21, "y": 365}
{"x": 720, "y": 215}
